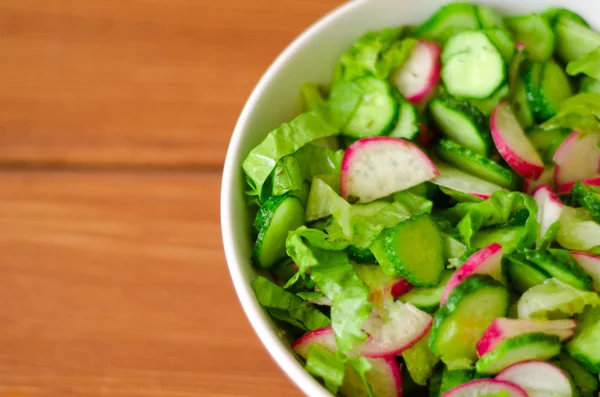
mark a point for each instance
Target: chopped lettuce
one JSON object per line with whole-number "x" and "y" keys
{"x": 286, "y": 306}
{"x": 283, "y": 141}
{"x": 578, "y": 230}
{"x": 554, "y": 300}
{"x": 588, "y": 64}
{"x": 376, "y": 54}
{"x": 325, "y": 364}
{"x": 580, "y": 112}
{"x": 420, "y": 361}
{"x": 497, "y": 210}
{"x": 415, "y": 203}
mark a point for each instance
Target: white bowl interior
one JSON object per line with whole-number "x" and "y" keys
{"x": 311, "y": 58}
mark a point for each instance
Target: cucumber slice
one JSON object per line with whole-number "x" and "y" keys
{"x": 460, "y": 197}
{"x": 462, "y": 320}
{"x": 589, "y": 198}
{"x": 447, "y": 21}
{"x": 361, "y": 256}
{"x": 552, "y": 14}
{"x": 408, "y": 126}
{"x": 535, "y": 32}
{"x": 451, "y": 379}
{"x": 427, "y": 299}
{"x": 546, "y": 142}
{"x": 586, "y": 382}
{"x": 472, "y": 66}
{"x": 523, "y": 274}
{"x": 487, "y": 105}
{"x": 475, "y": 164}
{"x": 507, "y": 237}
{"x": 415, "y": 249}
{"x": 585, "y": 346}
{"x": 525, "y": 347}
{"x": 547, "y": 86}
{"x": 363, "y": 107}
{"x": 503, "y": 42}
{"x": 278, "y": 216}
{"x": 462, "y": 186}
{"x": 489, "y": 18}
{"x": 462, "y": 122}
{"x": 574, "y": 39}
{"x": 560, "y": 264}
{"x": 520, "y": 102}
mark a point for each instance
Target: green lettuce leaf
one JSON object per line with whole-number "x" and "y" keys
{"x": 554, "y": 300}
{"x": 413, "y": 202}
{"x": 283, "y": 141}
{"x": 420, "y": 361}
{"x": 578, "y": 230}
{"x": 588, "y": 64}
{"x": 286, "y": 306}
{"x": 580, "y": 112}
{"x": 361, "y": 367}
{"x": 325, "y": 364}
{"x": 497, "y": 210}
{"x": 376, "y": 54}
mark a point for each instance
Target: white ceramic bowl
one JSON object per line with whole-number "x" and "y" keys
{"x": 311, "y": 58}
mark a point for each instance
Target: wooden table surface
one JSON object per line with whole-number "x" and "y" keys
{"x": 114, "y": 121}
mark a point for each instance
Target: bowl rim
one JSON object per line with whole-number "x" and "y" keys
{"x": 254, "y": 312}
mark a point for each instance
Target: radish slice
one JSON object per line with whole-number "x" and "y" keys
{"x": 549, "y": 209}
{"x": 538, "y": 379}
{"x": 577, "y": 158}
{"x": 486, "y": 387}
{"x": 547, "y": 178}
{"x": 512, "y": 143}
{"x": 487, "y": 260}
{"x": 419, "y": 75}
{"x": 506, "y": 328}
{"x": 397, "y": 330}
{"x": 384, "y": 375}
{"x": 591, "y": 265}
{"x": 565, "y": 188}
{"x": 377, "y": 167}
{"x": 401, "y": 287}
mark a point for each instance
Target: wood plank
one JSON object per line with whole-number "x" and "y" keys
{"x": 135, "y": 82}
{"x": 116, "y": 285}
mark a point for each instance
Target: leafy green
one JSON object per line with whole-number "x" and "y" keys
{"x": 453, "y": 250}
{"x": 415, "y": 203}
{"x": 578, "y": 231}
{"x": 283, "y": 141}
{"x": 314, "y": 100}
{"x": 580, "y": 112}
{"x": 376, "y": 54}
{"x": 588, "y": 64}
{"x": 286, "y": 306}
{"x": 420, "y": 361}
{"x": 325, "y": 364}
{"x": 361, "y": 367}
{"x": 553, "y": 300}
{"x": 471, "y": 217}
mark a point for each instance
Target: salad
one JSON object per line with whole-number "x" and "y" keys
{"x": 430, "y": 224}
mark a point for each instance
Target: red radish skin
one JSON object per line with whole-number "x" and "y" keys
{"x": 376, "y": 167}
{"x": 549, "y": 209}
{"x": 565, "y": 188}
{"x": 512, "y": 143}
{"x": 577, "y": 158}
{"x": 538, "y": 378}
{"x": 404, "y": 325}
{"x": 487, "y": 260}
{"x": 401, "y": 287}
{"x": 420, "y": 74}
{"x": 590, "y": 264}
{"x": 505, "y": 328}
{"x": 384, "y": 376}
{"x": 486, "y": 387}
{"x": 547, "y": 178}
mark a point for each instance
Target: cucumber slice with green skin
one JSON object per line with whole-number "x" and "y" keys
{"x": 408, "y": 126}
{"x": 547, "y": 86}
{"x": 487, "y": 105}
{"x": 561, "y": 265}
{"x": 462, "y": 122}
{"x": 523, "y": 274}
{"x": 480, "y": 166}
{"x": 585, "y": 346}
{"x": 503, "y": 42}
{"x": 465, "y": 316}
{"x": 461, "y": 185}
{"x": 361, "y": 256}
{"x": 552, "y": 14}
{"x": 574, "y": 39}
{"x": 587, "y": 382}
{"x": 427, "y": 299}
{"x": 451, "y": 379}
{"x": 278, "y": 216}
{"x": 525, "y": 347}
{"x": 364, "y": 107}
{"x": 520, "y": 104}
{"x": 547, "y": 142}
{"x": 460, "y": 197}
{"x": 472, "y": 66}
{"x": 535, "y": 32}
{"x": 489, "y": 18}
{"x": 423, "y": 267}
{"x": 589, "y": 198}
{"x": 448, "y": 21}
{"x": 507, "y": 237}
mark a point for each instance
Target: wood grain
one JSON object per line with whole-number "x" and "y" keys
{"x": 116, "y": 285}
{"x": 135, "y": 82}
